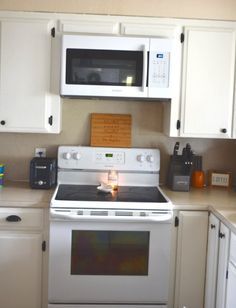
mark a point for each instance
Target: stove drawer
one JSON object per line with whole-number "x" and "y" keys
{"x": 21, "y": 218}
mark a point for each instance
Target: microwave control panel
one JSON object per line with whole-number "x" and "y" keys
{"x": 159, "y": 63}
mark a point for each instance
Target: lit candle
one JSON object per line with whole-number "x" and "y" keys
{"x": 113, "y": 179}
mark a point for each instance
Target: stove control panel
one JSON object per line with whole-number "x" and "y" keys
{"x": 98, "y": 158}
{"x": 110, "y": 157}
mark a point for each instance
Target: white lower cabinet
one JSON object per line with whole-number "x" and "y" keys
{"x": 191, "y": 259}
{"x": 21, "y": 254}
{"x": 231, "y": 285}
{"x": 231, "y": 294}
{"x": 217, "y": 263}
{"x": 222, "y": 266}
{"x": 212, "y": 261}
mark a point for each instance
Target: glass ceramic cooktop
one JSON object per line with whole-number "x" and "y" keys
{"x": 122, "y": 194}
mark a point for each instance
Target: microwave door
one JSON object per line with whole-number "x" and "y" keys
{"x": 114, "y": 66}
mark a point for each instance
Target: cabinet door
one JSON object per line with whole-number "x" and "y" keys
{"x": 25, "y": 61}
{"x": 89, "y": 25}
{"x": 191, "y": 259}
{"x": 231, "y": 287}
{"x": 20, "y": 269}
{"x": 212, "y": 261}
{"x": 222, "y": 266}
{"x": 150, "y": 29}
{"x": 208, "y": 82}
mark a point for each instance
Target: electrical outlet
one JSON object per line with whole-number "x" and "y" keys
{"x": 40, "y": 152}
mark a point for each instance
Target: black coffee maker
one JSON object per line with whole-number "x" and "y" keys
{"x": 180, "y": 168}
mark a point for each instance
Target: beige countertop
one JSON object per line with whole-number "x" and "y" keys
{"x": 222, "y": 202}
{"x": 19, "y": 194}
{"x": 202, "y": 198}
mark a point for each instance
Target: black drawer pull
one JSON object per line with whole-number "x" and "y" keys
{"x": 3, "y": 122}
{"x": 13, "y": 218}
{"x": 213, "y": 226}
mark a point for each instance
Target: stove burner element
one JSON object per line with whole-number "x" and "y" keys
{"x": 123, "y": 194}
{"x": 78, "y": 179}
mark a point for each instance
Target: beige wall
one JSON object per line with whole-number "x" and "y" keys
{"x": 210, "y": 9}
{"x": 16, "y": 150}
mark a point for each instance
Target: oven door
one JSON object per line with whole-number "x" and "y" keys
{"x": 121, "y": 260}
{"x": 104, "y": 66}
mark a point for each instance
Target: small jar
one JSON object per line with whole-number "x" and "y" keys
{"x": 113, "y": 179}
{"x": 198, "y": 179}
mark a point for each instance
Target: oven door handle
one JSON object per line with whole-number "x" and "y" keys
{"x": 161, "y": 218}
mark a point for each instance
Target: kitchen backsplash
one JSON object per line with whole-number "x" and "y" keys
{"x": 17, "y": 149}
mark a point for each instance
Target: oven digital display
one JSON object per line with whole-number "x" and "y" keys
{"x": 109, "y": 155}
{"x": 109, "y": 252}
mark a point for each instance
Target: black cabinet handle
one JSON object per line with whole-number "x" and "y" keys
{"x": 13, "y": 218}
{"x": 213, "y": 226}
{"x": 3, "y": 122}
{"x": 178, "y": 124}
{"x": 221, "y": 235}
{"x": 223, "y": 130}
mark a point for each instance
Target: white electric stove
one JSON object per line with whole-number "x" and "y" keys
{"x": 110, "y": 229}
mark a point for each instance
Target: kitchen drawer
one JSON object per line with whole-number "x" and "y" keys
{"x": 232, "y": 255}
{"x": 19, "y": 218}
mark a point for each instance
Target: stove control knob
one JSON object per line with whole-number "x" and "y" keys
{"x": 140, "y": 158}
{"x": 77, "y": 156}
{"x": 67, "y": 155}
{"x": 150, "y": 158}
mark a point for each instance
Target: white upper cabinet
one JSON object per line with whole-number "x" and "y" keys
{"x": 202, "y": 103}
{"x": 89, "y": 25}
{"x": 207, "y": 82}
{"x": 27, "y": 101}
{"x": 234, "y": 115}
{"x": 149, "y": 29}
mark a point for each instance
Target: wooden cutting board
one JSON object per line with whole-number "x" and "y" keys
{"x": 110, "y": 130}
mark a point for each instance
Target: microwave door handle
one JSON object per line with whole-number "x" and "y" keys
{"x": 144, "y": 68}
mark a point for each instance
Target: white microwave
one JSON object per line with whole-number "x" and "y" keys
{"x": 105, "y": 66}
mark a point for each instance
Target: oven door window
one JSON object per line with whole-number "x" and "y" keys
{"x": 109, "y": 252}
{"x": 104, "y": 67}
